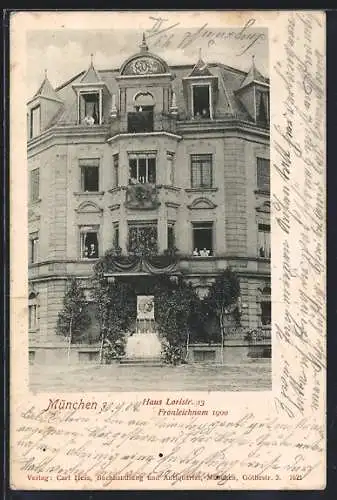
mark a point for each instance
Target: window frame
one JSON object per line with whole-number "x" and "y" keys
{"x": 32, "y": 120}
{"x": 202, "y": 84}
{"x": 83, "y": 231}
{"x": 267, "y": 248}
{"x": 34, "y": 244}
{"x": 34, "y": 192}
{"x": 89, "y": 163}
{"x": 83, "y": 93}
{"x": 263, "y": 187}
{"x": 131, "y": 224}
{"x": 33, "y": 306}
{"x": 208, "y": 225}
{"x": 193, "y": 159}
{"x": 170, "y": 157}
{"x": 115, "y": 166}
{"x": 140, "y": 156}
{"x": 171, "y": 227}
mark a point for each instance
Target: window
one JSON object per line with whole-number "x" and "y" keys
{"x": 266, "y": 312}
{"x": 89, "y": 242}
{"x": 264, "y": 249}
{"x": 142, "y": 168}
{"x": 170, "y": 235}
{"x": 141, "y": 120}
{"x": 115, "y": 234}
{"x": 263, "y": 174}
{"x": 89, "y": 108}
{"x": 34, "y": 184}
{"x": 143, "y": 238}
{"x": 32, "y": 311}
{"x": 201, "y": 171}
{"x": 89, "y": 175}
{"x": 115, "y": 160}
{"x": 262, "y": 108}
{"x": 201, "y": 101}
{"x": 33, "y": 248}
{"x": 170, "y": 169}
{"x": 202, "y": 239}
{"x": 35, "y": 121}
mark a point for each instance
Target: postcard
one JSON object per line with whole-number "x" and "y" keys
{"x": 168, "y": 235}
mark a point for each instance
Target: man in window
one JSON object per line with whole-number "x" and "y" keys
{"x": 89, "y": 245}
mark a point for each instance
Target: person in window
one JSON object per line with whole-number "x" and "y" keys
{"x": 262, "y": 252}
{"x": 196, "y": 252}
{"x": 89, "y": 120}
{"x": 205, "y": 113}
{"x": 92, "y": 251}
{"x": 203, "y": 252}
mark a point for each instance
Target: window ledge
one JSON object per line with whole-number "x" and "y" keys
{"x": 262, "y": 191}
{"x": 168, "y": 186}
{"x": 199, "y": 189}
{"x": 88, "y": 193}
{"x": 116, "y": 189}
{"x": 202, "y": 257}
{"x": 85, "y": 259}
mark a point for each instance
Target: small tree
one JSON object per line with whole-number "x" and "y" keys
{"x": 116, "y": 310}
{"x": 175, "y": 303}
{"x": 223, "y": 298}
{"x": 74, "y": 319}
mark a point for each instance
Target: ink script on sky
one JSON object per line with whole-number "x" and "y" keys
{"x": 200, "y": 440}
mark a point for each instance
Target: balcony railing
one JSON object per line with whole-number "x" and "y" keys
{"x": 142, "y": 122}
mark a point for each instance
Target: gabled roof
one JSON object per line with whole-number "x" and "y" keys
{"x": 200, "y": 69}
{"x": 91, "y": 76}
{"x": 253, "y": 75}
{"x": 46, "y": 90}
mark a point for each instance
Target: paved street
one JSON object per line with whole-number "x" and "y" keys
{"x": 253, "y": 375}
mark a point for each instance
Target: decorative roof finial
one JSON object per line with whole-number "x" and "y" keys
{"x": 91, "y": 59}
{"x": 253, "y": 59}
{"x": 45, "y": 74}
{"x": 199, "y": 54}
{"x": 143, "y": 46}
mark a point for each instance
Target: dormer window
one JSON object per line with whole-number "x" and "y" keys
{"x": 201, "y": 101}
{"x": 201, "y": 87}
{"x": 35, "y": 121}
{"x": 89, "y": 108}
{"x": 262, "y": 107}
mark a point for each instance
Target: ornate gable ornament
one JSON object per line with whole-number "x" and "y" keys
{"x": 201, "y": 204}
{"x": 144, "y": 63}
{"x": 89, "y": 207}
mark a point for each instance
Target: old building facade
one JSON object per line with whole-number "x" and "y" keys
{"x": 155, "y": 157}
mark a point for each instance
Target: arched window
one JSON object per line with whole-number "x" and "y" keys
{"x": 33, "y": 316}
{"x": 142, "y": 119}
{"x": 143, "y": 100}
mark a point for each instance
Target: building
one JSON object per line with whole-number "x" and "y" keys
{"x": 149, "y": 156}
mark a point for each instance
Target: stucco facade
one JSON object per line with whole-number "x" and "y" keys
{"x": 227, "y": 200}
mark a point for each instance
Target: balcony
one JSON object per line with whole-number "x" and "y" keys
{"x": 143, "y": 122}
